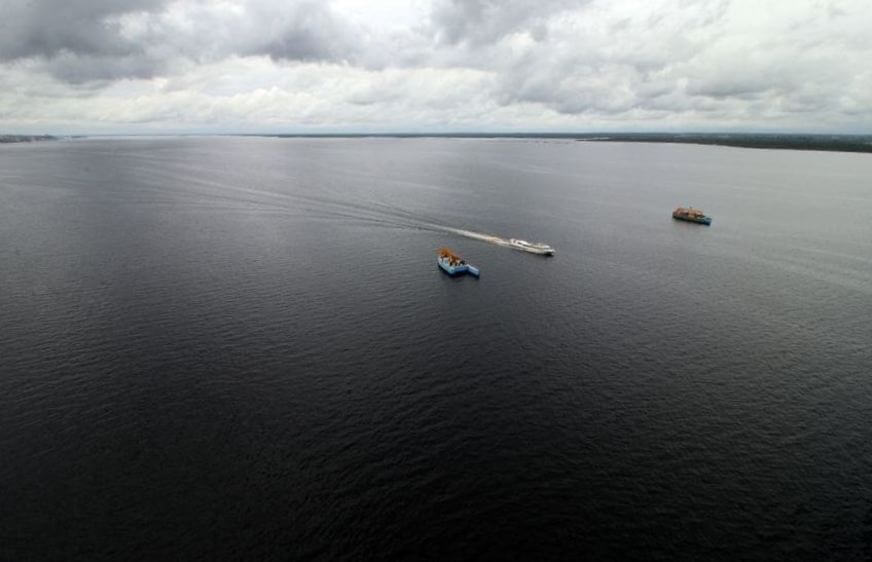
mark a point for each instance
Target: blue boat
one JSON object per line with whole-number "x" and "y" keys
{"x": 454, "y": 265}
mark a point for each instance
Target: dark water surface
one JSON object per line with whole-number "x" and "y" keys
{"x": 218, "y": 348}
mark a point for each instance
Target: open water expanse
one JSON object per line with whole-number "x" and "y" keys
{"x": 227, "y": 348}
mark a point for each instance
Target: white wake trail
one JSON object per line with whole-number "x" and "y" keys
{"x": 489, "y": 238}
{"x": 478, "y": 236}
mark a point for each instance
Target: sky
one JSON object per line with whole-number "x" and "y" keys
{"x": 308, "y": 66}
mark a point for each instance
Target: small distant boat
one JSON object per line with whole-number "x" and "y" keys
{"x": 452, "y": 264}
{"x": 538, "y": 248}
{"x": 690, "y": 214}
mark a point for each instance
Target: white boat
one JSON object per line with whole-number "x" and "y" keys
{"x": 523, "y": 245}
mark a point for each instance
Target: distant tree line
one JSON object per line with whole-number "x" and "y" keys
{"x": 25, "y": 138}
{"x": 829, "y": 142}
{"x": 836, "y": 143}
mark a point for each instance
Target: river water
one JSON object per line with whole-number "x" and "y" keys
{"x": 230, "y": 347}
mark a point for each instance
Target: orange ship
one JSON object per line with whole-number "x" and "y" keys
{"x": 690, "y": 214}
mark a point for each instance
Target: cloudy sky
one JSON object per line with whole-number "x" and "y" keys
{"x": 145, "y": 66}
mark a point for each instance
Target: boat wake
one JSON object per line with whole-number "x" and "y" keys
{"x": 231, "y": 194}
{"x": 489, "y": 238}
{"x": 390, "y": 216}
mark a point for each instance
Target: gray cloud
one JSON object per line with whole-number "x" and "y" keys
{"x": 308, "y": 31}
{"x": 94, "y": 71}
{"x": 469, "y": 63}
{"x": 44, "y": 28}
{"x": 480, "y": 22}
{"x": 715, "y": 57}
{"x": 100, "y": 40}
{"x": 305, "y": 30}
{"x": 607, "y": 62}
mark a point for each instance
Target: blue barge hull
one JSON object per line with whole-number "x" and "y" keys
{"x": 459, "y": 269}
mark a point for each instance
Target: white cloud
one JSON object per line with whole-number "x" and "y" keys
{"x": 252, "y": 65}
